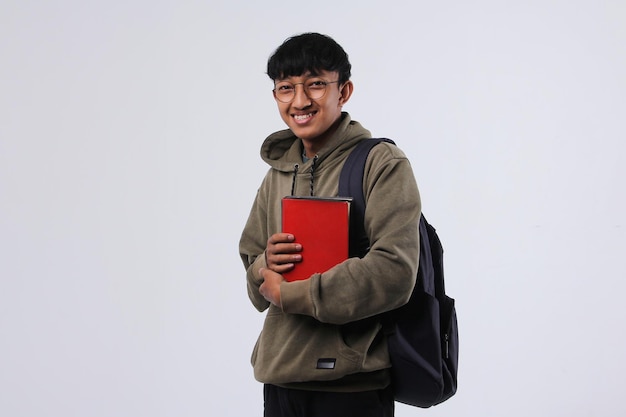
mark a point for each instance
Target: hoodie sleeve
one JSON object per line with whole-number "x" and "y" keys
{"x": 384, "y": 278}
{"x": 252, "y": 250}
{"x": 281, "y": 151}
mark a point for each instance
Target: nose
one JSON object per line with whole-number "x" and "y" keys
{"x": 301, "y": 100}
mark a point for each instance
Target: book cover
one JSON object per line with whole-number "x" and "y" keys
{"x": 321, "y": 226}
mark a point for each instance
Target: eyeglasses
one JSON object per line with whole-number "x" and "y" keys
{"x": 314, "y": 88}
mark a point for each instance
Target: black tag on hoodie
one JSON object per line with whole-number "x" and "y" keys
{"x": 326, "y": 363}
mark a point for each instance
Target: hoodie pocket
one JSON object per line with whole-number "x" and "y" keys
{"x": 296, "y": 348}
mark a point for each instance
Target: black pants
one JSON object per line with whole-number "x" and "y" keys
{"x": 283, "y": 402}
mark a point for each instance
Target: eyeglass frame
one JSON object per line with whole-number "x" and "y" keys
{"x": 304, "y": 89}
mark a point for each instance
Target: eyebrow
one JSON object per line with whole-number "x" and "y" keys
{"x": 307, "y": 74}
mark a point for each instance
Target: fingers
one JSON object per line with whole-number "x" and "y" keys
{"x": 282, "y": 262}
{"x": 281, "y": 268}
{"x": 282, "y": 252}
{"x": 282, "y": 243}
{"x": 277, "y": 238}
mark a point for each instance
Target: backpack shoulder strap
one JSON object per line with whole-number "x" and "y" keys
{"x": 351, "y": 185}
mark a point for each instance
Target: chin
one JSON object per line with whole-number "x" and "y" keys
{"x": 304, "y": 134}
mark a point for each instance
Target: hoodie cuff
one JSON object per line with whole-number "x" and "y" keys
{"x": 296, "y": 298}
{"x": 258, "y": 263}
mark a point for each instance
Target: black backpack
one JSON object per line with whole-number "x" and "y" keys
{"x": 422, "y": 335}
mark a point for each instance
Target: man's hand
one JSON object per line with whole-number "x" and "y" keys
{"x": 270, "y": 289}
{"x": 282, "y": 253}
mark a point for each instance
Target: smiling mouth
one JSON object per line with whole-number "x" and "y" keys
{"x": 300, "y": 118}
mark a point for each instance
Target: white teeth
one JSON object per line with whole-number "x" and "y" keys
{"x": 302, "y": 116}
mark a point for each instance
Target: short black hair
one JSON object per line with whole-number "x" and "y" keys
{"x": 309, "y": 52}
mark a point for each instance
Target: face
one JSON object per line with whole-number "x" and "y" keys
{"x": 314, "y": 119}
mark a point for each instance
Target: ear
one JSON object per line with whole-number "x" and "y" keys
{"x": 345, "y": 93}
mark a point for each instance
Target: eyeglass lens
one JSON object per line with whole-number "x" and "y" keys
{"x": 314, "y": 89}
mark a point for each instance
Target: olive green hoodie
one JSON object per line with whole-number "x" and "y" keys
{"x": 327, "y": 336}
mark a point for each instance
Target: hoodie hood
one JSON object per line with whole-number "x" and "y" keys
{"x": 283, "y": 150}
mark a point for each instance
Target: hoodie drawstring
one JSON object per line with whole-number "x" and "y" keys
{"x": 313, "y": 166}
{"x": 293, "y": 181}
{"x": 295, "y": 174}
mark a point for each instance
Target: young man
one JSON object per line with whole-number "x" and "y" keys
{"x": 322, "y": 351}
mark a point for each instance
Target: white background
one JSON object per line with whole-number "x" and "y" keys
{"x": 129, "y": 141}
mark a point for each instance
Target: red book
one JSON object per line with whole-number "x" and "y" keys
{"x": 321, "y": 226}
